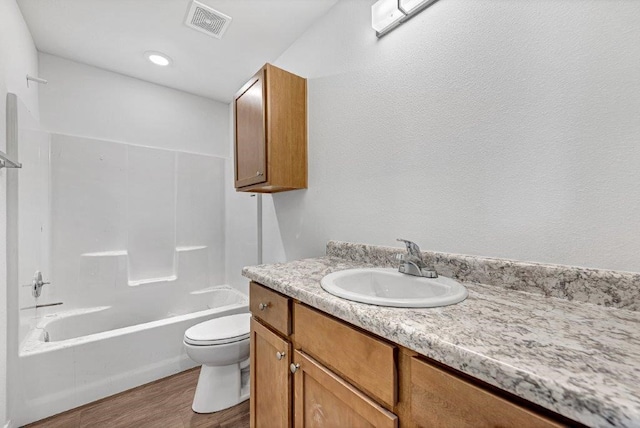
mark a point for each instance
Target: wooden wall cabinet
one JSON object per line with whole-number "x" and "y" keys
{"x": 271, "y": 132}
{"x": 333, "y": 374}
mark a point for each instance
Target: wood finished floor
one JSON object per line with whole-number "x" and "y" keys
{"x": 165, "y": 403}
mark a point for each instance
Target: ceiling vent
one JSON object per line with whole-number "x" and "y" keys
{"x": 207, "y": 20}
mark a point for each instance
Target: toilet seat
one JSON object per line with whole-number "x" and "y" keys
{"x": 219, "y": 331}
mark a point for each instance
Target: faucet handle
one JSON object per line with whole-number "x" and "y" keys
{"x": 412, "y": 247}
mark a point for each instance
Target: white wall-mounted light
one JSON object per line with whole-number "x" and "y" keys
{"x": 385, "y": 15}
{"x": 411, "y": 6}
{"x": 388, "y": 14}
{"x": 158, "y": 58}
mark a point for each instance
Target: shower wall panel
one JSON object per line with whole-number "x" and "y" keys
{"x": 200, "y": 210}
{"x": 88, "y": 209}
{"x": 127, "y": 218}
{"x": 151, "y": 215}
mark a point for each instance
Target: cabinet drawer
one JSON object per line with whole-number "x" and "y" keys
{"x": 440, "y": 398}
{"x": 271, "y": 307}
{"x": 363, "y": 360}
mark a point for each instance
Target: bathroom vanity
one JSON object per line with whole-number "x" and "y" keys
{"x": 500, "y": 358}
{"x": 330, "y": 373}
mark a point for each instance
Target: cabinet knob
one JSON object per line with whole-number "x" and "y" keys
{"x": 280, "y": 355}
{"x": 294, "y": 367}
{"x": 258, "y": 174}
{"x": 263, "y": 306}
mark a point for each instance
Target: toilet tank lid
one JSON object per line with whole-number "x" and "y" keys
{"x": 220, "y": 328}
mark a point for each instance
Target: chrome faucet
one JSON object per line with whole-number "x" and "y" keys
{"x": 412, "y": 263}
{"x": 36, "y": 285}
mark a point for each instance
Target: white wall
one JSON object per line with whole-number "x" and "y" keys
{"x": 86, "y": 101}
{"x": 497, "y": 128}
{"x": 18, "y": 57}
{"x": 241, "y": 225}
{"x": 175, "y": 148}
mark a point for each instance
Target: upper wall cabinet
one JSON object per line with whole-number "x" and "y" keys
{"x": 271, "y": 132}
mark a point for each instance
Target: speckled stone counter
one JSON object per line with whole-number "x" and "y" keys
{"x": 578, "y": 359}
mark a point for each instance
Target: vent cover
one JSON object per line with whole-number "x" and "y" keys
{"x": 207, "y": 20}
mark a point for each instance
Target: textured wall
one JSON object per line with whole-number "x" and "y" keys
{"x": 495, "y": 128}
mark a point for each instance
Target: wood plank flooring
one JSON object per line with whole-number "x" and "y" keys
{"x": 165, "y": 403}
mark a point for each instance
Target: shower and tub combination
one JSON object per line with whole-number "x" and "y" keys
{"x": 72, "y": 357}
{"x": 132, "y": 242}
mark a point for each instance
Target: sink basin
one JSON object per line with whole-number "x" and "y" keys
{"x": 388, "y": 287}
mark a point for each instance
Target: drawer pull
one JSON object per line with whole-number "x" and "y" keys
{"x": 263, "y": 306}
{"x": 280, "y": 355}
{"x": 294, "y": 367}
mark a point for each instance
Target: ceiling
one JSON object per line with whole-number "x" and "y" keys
{"x": 115, "y": 34}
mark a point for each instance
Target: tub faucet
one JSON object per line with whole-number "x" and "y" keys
{"x": 36, "y": 285}
{"x": 412, "y": 263}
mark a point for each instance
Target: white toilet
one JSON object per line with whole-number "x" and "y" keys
{"x": 221, "y": 345}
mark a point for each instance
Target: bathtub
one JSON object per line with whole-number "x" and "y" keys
{"x": 78, "y": 356}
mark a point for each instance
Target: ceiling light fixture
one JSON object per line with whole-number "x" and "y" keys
{"x": 158, "y": 58}
{"x": 389, "y": 14}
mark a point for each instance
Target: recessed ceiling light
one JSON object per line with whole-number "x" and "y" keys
{"x": 158, "y": 58}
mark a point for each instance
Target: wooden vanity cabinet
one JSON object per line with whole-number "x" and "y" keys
{"x": 442, "y": 399}
{"x": 271, "y": 388}
{"x": 270, "y": 378}
{"x": 300, "y": 390}
{"x": 309, "y": 369}
{"x": 323, "y": 399}
{"x": 363, "y": 360}
{"x": 271, "y": 132}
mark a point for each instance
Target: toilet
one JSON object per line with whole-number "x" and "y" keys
{"x": 221, "y": 345}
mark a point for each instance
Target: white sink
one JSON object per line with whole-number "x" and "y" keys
{"x": 388, "y": 287}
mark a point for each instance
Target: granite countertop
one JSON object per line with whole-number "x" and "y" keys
{"x": 578, "y": 359}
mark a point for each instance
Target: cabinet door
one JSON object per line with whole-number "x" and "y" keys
{"x": 251, "y": 161}
{"x": 440, "y": 399}
{"x": 270, "y": 382}
{"x": 322, "y": 399}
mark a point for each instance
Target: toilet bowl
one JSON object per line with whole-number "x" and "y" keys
{"x": 221, "y": 345}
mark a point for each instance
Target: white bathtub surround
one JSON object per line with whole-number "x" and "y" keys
{"x": 95, "y": 352}
{"x": 577, "y": 359}
{"x": 126, "y": 216}
{"x": 137, "y": 237}
{"x": 221, "y": 345}
{"x": 133, "y": 214}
